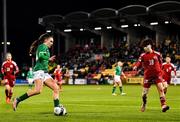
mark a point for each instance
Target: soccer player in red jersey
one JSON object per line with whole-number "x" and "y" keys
{"x": 167, "y": 68}
{"x": 9, "y": 69}
{"x": 151, "y": 61}
{"x": 58, "y": 76}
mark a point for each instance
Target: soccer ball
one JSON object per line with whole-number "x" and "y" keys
{"x": 60, "y": 111}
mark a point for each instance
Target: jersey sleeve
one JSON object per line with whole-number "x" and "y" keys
{"x": 16, "y": 68}
{"x": 174, "y": 69}
{"x": 159, "y": 58}
{"x": 139, "y": 61}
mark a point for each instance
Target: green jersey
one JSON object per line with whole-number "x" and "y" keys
{"x": 30, "y": 74}
{"x": 118, "y": 70}
{"x": 42, "y": 58}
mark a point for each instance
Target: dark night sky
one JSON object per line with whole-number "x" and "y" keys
{"x": 22, "y": 18}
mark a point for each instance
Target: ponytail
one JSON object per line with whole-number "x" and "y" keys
{"x": 35, "y": 44}
{"x": 33, "y": 47}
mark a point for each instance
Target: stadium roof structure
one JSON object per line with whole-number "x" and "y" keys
{"x": 108, "y": 17}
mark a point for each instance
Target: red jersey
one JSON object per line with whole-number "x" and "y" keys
{"x": 58, "y": 74}
{"x": 167, "y": 69}
{"x": 9, "y": 68}
{"x": 151, "y": 63}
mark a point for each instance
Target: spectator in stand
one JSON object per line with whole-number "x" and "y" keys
{"x": 178, "y": 65}
{"x": 75, "y": 74}
{"x": 66, "y": 76}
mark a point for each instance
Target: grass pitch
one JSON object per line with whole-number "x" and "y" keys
{"x": 92, "y": 103}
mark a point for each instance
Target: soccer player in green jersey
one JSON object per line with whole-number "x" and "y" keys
{"x": 117, "y": 79}
{"x": 30, "y": 77}
{"x": 40, "y": 70}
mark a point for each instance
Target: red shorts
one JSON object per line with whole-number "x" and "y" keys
{"x": 59, "y": 80}
{"x": 148, "y": 81}
{"x": 167, "y": 79}
{"x": 10, "y": 80}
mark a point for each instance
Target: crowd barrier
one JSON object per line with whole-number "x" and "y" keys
{"x": 130, "y": 80}
{"x": 21, "y": 82}
{"x": 175, "y": 81}
{"x": 77, "y": 81}
{"x": 135, "y": 80}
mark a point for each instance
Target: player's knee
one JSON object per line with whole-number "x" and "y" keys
{"x": 56, "y": 89}
{"x": 144, "y": 94}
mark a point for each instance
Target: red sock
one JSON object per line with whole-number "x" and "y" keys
{"x": 6, "y": 92}
{"x": 144, "y": 98}
{"x": 10, "y": 94}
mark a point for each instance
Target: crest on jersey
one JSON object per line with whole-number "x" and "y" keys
{"x": 11, "y": 66}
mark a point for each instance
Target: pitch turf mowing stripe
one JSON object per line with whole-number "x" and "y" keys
{"x": 92, "y": 103}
